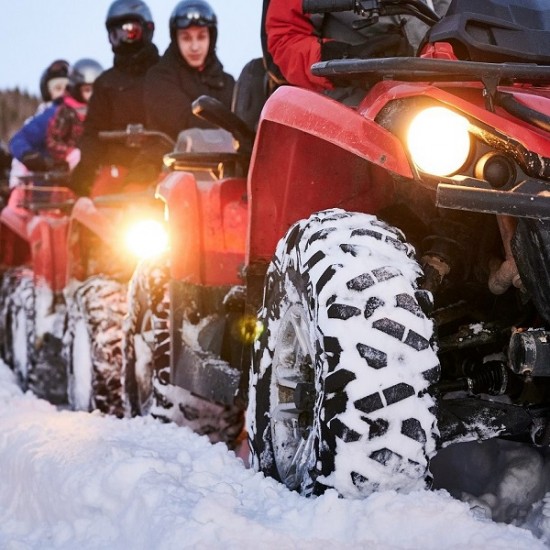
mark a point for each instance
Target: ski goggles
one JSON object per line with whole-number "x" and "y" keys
{"x": 127, "y": 32}
{"x": 194, "y": 18}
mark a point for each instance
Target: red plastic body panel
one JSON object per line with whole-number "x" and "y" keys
{"x": 208, "y": 226}
{"x": 110, "y": 179}
{"x": 312, "y": 153}
{"x": 36, "y": 239}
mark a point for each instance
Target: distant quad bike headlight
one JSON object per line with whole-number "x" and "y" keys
{"x": 146, "y": 238}
{"x": 438, "y": 141}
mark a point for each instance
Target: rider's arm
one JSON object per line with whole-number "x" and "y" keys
{"x": 31, "y": 137}
{"x": 294, "y": 44}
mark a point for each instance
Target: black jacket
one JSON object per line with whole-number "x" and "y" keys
{"x": 172, "y": 85}
{"x": 116, "y": 102}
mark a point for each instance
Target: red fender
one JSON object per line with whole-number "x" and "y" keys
{"x": 208, "y": 221}
{"x": 315, "y": 143}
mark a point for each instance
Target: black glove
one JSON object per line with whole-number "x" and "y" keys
{"x": 386, "y": 45}
{"x": 35, "y": 162}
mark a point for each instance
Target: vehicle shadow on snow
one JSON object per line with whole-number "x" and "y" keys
{"x": 501, "y": 480}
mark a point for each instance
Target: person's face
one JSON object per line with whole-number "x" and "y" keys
{"x": 86, "y": 91}
{"x": 56, "y": 87}
{"x": 193, "y": 44}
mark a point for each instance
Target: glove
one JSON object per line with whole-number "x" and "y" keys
{"x": 35, "y": 162}
{"x": 387, "y": 45}
{"x": 73, "y": 158}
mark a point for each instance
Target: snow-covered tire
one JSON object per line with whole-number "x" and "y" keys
{"x": 19, "y": 322}
{"x": 30, "y": 352}
{"x": 147, "y": 385}
{"x": 9, "y": 281}
{"x": 338, "y": 391}
{"x": 144, "y": 326}
{"x": 92, "y": 346}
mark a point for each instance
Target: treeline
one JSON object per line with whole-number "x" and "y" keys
{"x": 15, "y": 107}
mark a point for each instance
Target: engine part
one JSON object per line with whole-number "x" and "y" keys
{"x": 529, "y": 352}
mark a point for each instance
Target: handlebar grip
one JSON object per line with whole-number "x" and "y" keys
{"x": 326, "y": 6}
{"x": 112, "y": 134}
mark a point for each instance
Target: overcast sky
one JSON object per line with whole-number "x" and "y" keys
{"x": 35, "y": 32}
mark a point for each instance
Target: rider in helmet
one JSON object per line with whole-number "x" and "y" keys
{"x": 189, "y": 68}
{"x": 30, "y": 140}
{"x": 53, "y": 80}
{"x": 28, "y": 145}
{"x": 117, "y": 100}
{"x": 66, "y": 125}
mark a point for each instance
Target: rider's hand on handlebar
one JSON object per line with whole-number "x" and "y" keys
{"x": 387, "y": 45}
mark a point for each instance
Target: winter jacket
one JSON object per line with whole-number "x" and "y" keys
{"x": 170, "y": 88}
{"x": 172, "y": 85}
{"x": 65, "y": 128}
{"x": 31, "y": 137}
{"x": 117, "y": 101}
{"x": 294, "y": 39}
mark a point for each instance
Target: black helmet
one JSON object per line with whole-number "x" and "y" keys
{"x": 84, "y": 71}
{"x": 57, "y": 69}
{"x": 196, "y": 13}
{"x": 124, "y": 11}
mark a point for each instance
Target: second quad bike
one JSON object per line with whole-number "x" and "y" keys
{"x": 207, "y": 154}
{"x": 385, "y": 288}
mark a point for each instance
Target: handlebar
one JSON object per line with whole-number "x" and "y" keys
{"x": 133, "y": 133}
{"x": 371, "y": 10}
{"x": 50, "y": 176}
{"x": 326, "y": 6}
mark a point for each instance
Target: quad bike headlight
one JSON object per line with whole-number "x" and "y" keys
{"x": 146, "y": 238}
{"x": 438, "y": 141}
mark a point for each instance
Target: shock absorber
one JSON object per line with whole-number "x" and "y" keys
{"x": 490, "y": 378}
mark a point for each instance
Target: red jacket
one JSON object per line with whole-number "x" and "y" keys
{"x": 293, "y": 42}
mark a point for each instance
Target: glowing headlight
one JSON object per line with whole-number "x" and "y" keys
{"x": 438, "y": 141}
{"x": 146, "y": 238}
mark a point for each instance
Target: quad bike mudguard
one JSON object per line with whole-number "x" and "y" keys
{"x": 208, "y": 222}
{"x": 312, "y": 152}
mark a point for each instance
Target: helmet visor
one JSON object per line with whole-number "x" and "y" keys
{"x": 128, "y": 32}
{"x": 195, "y": 17}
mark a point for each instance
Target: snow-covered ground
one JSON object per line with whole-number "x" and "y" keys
{"x": 73, "y": 480}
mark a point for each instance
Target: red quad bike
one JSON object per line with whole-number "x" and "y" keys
{"x": 64, "y": 292}
{"x": 205, "y": 194}
{"x": 397, "y": 254}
